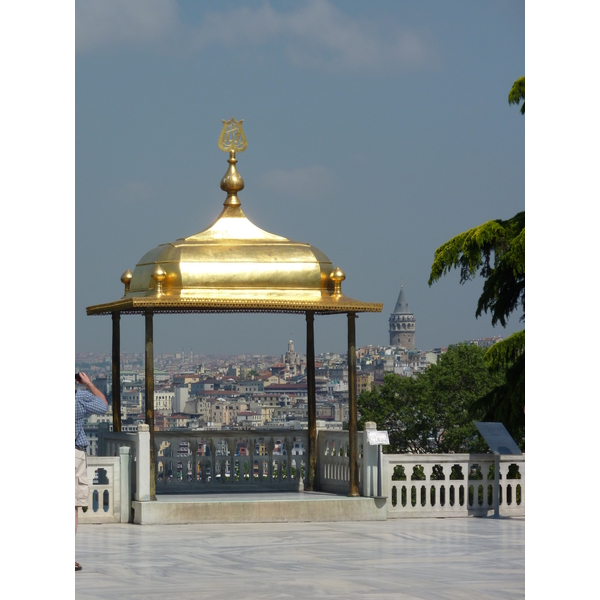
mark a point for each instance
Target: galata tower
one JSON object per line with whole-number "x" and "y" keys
{"x": 402, "y": 324}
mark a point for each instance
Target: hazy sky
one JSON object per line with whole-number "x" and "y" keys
{"x": 376, "y": 132}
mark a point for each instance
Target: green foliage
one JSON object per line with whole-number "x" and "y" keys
{"x": 497, "y": 250}
{"x": 517, "y": 93}
{"x": 503, "y": 354}
{"x": 506, "y": 403}
{"x": 433, "y": 411}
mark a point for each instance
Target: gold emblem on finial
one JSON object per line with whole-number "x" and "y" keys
{"x": 232, "y": 138}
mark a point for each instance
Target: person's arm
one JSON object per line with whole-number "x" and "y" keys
{"x": 85, "y": 380}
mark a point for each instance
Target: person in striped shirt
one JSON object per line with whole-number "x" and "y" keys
{"x": 88, "y": 401}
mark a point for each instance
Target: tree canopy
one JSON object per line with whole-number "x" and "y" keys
{"x": 496, "y": 250}
{"x": 433, "y": 412}
{"x": 517, "y": 93}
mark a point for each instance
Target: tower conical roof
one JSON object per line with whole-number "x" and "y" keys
{"x": 402, "y": 304}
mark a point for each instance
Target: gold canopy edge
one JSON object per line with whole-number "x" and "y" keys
{"x": 339, "y": 305}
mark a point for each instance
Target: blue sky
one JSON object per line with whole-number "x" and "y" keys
{"x": 376, "y": 131}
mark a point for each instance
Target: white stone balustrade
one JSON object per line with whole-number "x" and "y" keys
{"x": 110, "y": 491}
{"x": 452, "y": 485}
{"x": 415, "y": 485}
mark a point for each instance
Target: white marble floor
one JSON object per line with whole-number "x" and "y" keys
{"x": 403, "y": 559}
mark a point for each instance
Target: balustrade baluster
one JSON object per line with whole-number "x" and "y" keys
{"x": 504, "y": 466}
{"x": 193, "y": 457}
{"x": 521, "y": 483}
{"x": 428, "y": 471}
{"x": 270, "y": 454}
{"x": 212, "y": 462}
{"x": 232, "y": 459}
{"x": 254, "y": 457}
{"x": 288, "y": 454}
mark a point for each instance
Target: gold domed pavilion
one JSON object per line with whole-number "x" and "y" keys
{"x": 234, "y": 266}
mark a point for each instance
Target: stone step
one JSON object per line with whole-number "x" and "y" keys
{"x": 257, "y": 508}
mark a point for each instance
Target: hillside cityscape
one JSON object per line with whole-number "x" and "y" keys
{"x": 253, "y": 391}
{"x": 248, "y": 391}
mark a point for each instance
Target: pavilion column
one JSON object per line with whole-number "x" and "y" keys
{"x": 352, "y": 406}
{"x": 149, "y": 390}
{"x": 116, "y": 370}
{"x": 311, "y": 475}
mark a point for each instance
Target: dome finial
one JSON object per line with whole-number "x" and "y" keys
{"x": 337, "y": 276}
{"x": 159, "y": 275}
{"x": 232, "y": 140}
{"x": 232, "y": 182}
{"x": 126, "y": 281}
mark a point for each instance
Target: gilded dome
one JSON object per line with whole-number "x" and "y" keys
{"x": 234, "y": 265}
{"x": 234, "y": 259}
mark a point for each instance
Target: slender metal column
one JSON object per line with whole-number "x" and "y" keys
{"x": 352, "y": 406}
{"x": 116, "y": 370}
{"x": 149, "y": 388}
{"x": 311, "y": 476}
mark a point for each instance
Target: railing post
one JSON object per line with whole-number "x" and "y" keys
{"x": 386, "y": 470}
{"x": 521, "y": 482}
{"x": 464, "y": 465}
{"x": 125, "y": 459}
{"x": 496, "y": 488}
{"x": 369, "y": 466}
{"x": 142, "y": 471}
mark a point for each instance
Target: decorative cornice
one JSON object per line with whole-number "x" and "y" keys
{"x": 163, "y": 304}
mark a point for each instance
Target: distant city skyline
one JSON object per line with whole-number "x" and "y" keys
{"x": 187, "y": 352}
{"x": 376, "y": 132}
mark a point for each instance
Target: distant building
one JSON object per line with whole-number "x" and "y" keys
{"x": 177, "y": 421}
{"x": 133, "y": 400}
{"x": 485, "y": 342}
{"x": 197, "y": 387}
{"x": 402, "y": 324}
{"x": 336, "y": 386}
{"x": 103, "y": 384}
{"x": 250, "y": 386}
{"x": 293, "y": 389}
{"x": 185, "y": 379}
{"x": 233, "y": 371}
{"x": 180, "y": 399}
{"x": 364, "y": 381}
{"x": 249, "y": 418}
{"x": 163, "y": 401}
